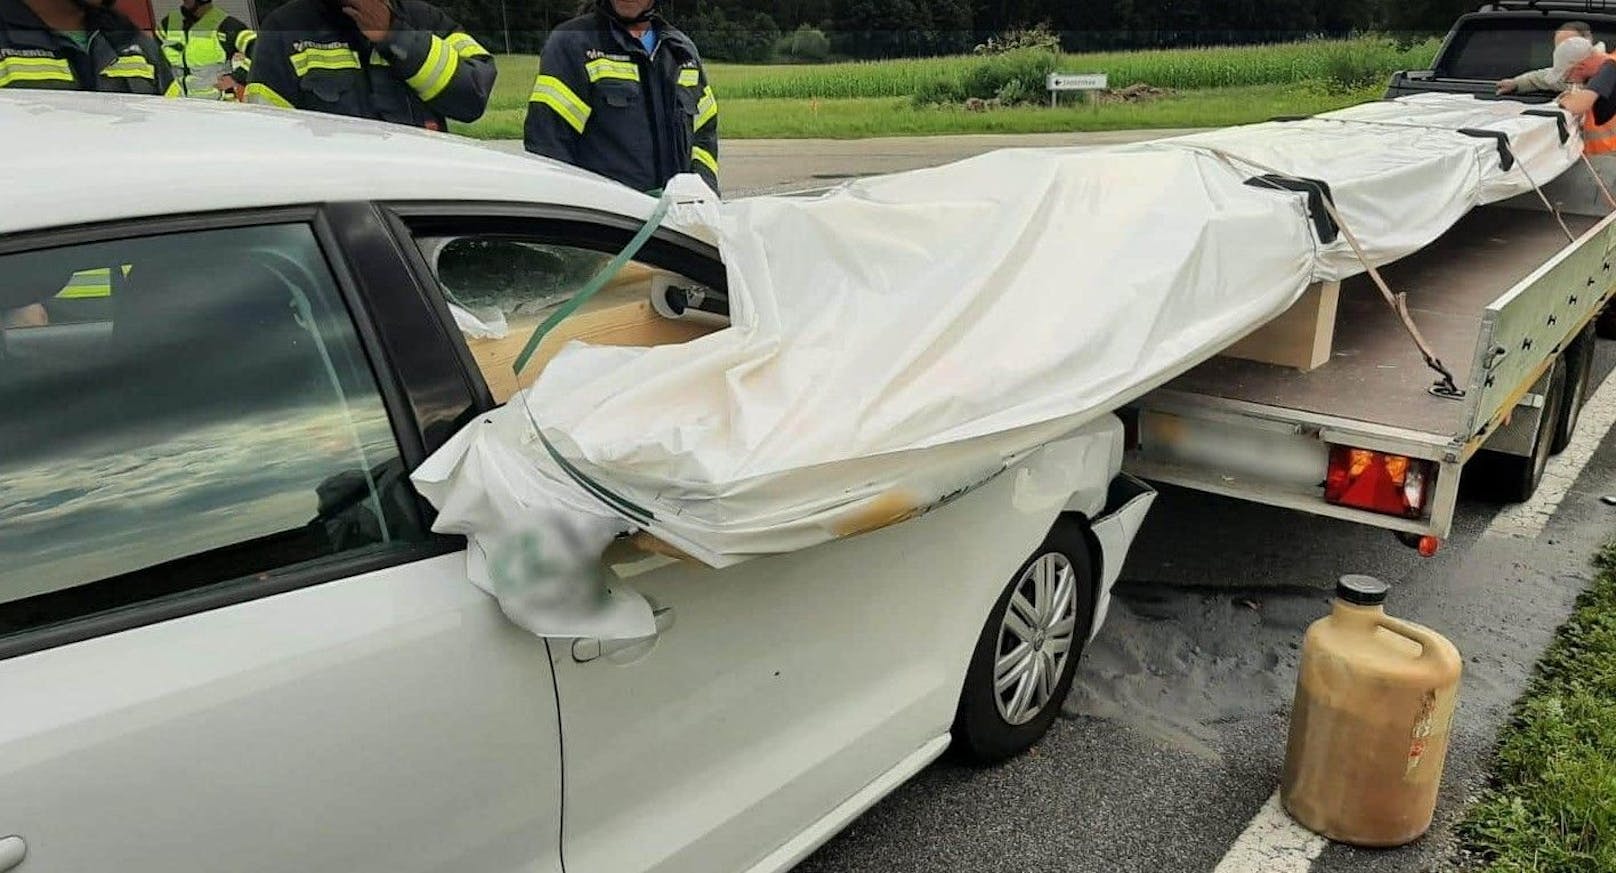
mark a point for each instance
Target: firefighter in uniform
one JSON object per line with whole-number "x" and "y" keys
{"x": 404, "y": 61}
{"x": 209, "y": 51}
{"x": 623, "y": 94}
{"x": 72, "y": 45}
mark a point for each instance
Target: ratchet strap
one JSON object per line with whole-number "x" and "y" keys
{"x": 593, "y": 286}
{"x": 1603, "y": 188}
{"x": 1445, "y": 386}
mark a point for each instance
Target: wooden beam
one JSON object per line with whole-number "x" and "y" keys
{"x": 1300, "y": 337}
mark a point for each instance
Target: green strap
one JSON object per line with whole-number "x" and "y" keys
{"x": 612, "y": 268}
{"x": 638, "y": 514}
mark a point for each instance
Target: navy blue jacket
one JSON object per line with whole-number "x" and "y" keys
{"x": 601, "y": 102}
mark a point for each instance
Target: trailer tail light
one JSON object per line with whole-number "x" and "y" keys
{"x": 1388, "y": 484}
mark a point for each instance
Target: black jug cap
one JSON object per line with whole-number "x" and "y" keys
{"x": 1362, "y": 590}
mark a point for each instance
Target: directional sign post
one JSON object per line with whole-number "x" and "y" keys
{"x": 1085, "y": 82}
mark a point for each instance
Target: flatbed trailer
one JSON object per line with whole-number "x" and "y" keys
{"x": 1505, "y": 299}
{"x": 1502, "y": 294}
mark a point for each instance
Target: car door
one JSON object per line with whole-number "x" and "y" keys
{"x": 781, "y": 696}
{"x": 227, "y": 639}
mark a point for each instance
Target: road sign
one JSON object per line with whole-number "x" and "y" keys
{"x": 1059, "y": 82}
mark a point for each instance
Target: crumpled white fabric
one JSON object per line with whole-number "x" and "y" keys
{"x": 902, "y": 339}
{"x": 1401, "y": 173}
{"x": 533, "y": 543}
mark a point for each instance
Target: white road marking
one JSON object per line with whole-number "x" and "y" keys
{"x": 1272, "y": 843}
{"x": 1527, "y": 520}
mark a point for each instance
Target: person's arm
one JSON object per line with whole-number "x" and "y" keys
{"x": 31, "y": 315}
{"x": 1533, "y": 80}
{"x": 272, "y": 81}
{"x": 558, "y": 110}
{"x": 237, "y": 39}
{"x": 449, "y": 70}
{"x": 704, "y": 154}
{"x": 1603, "y": 86}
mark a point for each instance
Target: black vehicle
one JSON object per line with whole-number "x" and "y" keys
{"x": 1501, "y": 40}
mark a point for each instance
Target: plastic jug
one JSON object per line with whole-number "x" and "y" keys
{"x": 1369, "y": 729}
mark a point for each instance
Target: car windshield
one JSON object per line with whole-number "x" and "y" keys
{"x": 1494, "y": 48}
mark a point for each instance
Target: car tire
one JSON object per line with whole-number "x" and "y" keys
{"x": 996, "y": 721}
{"x": 1579, "y": 358}
{"x": 1512, "y": 478}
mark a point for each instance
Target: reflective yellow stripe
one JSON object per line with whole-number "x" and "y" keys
{"x": 34, "y": 70}
{"x": 130, "y": 67}
{"x": 689, "y": 78}
{"x": 463, "y": 45}
{"x": 173, "y": 89}
{"x": 244, "y": 40}
{"x": 705, "y": 158}
{"x": 263, "y": 95}
{"x": 324, "y": 59}
{"x": 707, "y": 109}
{"x": 606, "y": 68}
{"x": 89, "y": 284}
{"x": 377, "y": 59}
{"x": 554, "y": 93}
{"x": 436, "y": 73}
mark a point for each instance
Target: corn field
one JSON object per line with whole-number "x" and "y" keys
{"x": 1344, "y": 61}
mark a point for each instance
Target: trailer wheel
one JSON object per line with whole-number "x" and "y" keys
{"x": 1514, "y": 479}
{"x": 1605, "y": 324}
{"x": 1579, "y": 358}
{"x": 1026, "y": 656}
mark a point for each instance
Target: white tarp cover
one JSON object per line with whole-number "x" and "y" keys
{"x": 905, "y": 337}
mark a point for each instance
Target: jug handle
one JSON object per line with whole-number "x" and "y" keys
{"x": 1432, "y": 647}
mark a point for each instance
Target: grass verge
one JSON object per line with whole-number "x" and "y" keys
{"x": 854, "y": 118}
{"x": 1552, "y": 805}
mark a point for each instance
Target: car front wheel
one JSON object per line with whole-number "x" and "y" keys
{"x": 1027, "y": 654}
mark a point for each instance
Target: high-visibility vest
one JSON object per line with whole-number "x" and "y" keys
{"x": 1598, "y": 139}
{"x": 197, "y": 55}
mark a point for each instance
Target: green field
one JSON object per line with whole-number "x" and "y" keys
{"x": 1552, "y": 807}
{"x": 861, "y": 117}
{"x": 1211, "y": 87}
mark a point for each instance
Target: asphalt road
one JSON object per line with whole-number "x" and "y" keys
{"x": 757, "y": 166}
{"x": 1174, "y": 735}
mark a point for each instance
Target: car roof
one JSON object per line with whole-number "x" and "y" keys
{"x": 1546, "y": 10}
{"x": 75, "y": 158}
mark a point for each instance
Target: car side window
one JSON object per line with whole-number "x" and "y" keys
{"x": 501, "y": 287}
{"x": 179, "y": 411}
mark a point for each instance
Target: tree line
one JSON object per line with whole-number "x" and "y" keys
{"x": 764, "y": 30}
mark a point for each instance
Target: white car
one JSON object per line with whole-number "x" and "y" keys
{"x": 229, "y": 640}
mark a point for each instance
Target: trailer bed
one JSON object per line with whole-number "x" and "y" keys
{"x": 1375, "y": 374}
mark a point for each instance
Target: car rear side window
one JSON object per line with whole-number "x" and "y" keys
{"x": 181, "y": 411}
{"x": 501, "y": 287}
{"x": 1496, "y": 48}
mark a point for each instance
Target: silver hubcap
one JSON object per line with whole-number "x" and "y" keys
{"x": 1035, "y": 638}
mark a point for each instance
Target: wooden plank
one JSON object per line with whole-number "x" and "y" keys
{"x": 1301, "y": 337}
{"x": 621, "y": 315}
{"x": 1375, "y": 374}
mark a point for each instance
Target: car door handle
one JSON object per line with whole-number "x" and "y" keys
{"x": 12, "y": 851}
{"x": 586, "y": 649}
